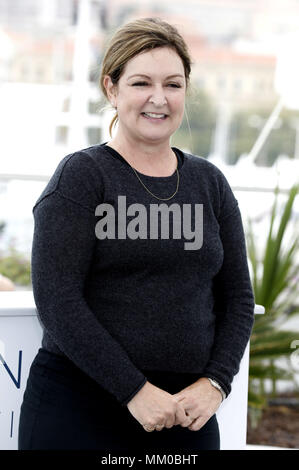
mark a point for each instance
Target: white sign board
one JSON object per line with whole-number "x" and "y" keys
{"x": 20, "y": 339}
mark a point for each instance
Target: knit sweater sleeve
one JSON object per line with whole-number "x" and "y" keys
{"x": 62, "y": 250}
{"x": 233, "y": 294}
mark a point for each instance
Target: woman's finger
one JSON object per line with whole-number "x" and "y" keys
{"x": 182, "y": 417}
{"x": 197, "y": 423}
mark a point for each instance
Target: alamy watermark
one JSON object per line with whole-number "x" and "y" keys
{"x": 138, "y": 226}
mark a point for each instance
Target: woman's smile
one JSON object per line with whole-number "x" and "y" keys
{"x": 154, "y": 117}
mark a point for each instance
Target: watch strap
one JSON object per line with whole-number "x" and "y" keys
{"x": 218, "y": 386}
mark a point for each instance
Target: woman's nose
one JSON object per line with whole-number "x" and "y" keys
{"x": 158, "y": 97}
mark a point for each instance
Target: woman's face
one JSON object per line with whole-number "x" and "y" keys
{"x": 150, "y": 96}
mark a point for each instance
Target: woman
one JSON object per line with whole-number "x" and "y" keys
{"x": 145, "y": 315}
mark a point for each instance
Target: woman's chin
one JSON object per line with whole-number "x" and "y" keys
{"x": 155, "y": 137}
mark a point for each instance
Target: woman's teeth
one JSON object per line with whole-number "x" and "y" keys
{"x": 154, "y": 115}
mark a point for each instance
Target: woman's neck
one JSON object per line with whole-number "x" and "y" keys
{"x": 151, "y": 160}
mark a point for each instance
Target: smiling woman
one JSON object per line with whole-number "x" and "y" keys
{"x": 141, "y": 36}
{"x": 144, "y": 331}
{"x": 145, "y": 74}
{"x": 149, "y": 97}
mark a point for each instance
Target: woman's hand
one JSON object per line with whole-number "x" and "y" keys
{"x": 152, "y": 407}
{"x": 200, "y": 401}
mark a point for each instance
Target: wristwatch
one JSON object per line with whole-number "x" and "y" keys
{"x": 216, "y": 385}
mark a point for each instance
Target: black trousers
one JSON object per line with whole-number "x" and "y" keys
{"x": 65, "y": 409}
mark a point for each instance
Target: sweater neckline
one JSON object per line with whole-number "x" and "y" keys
{"x": 180, "y": 156}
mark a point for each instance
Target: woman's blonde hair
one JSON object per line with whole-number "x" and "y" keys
{"x": 135, "y": 37}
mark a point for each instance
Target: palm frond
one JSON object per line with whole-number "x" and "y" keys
{"x": 274, "y": 275}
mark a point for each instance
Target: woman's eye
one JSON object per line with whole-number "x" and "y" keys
{"x": 171, "y": 85}
{"x": 139, "y": 83}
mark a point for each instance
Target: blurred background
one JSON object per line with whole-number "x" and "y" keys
{"x": 242, "y": 113}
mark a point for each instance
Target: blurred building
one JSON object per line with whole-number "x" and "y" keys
{"x": 39, "y": 59}
{"x": 48, "y": 14}
{"x": 221, "y": 20}
{"x": 245, "y": 80}
{"x": 218, "y": 70}
{"x": 24, "y": 14}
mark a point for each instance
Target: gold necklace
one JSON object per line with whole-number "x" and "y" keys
{"x": 161, "y": 198}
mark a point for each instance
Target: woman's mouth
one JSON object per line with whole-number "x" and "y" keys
{"x": 155, "y": 116}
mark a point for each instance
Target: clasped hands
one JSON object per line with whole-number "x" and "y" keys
{"x": 192, "y": 407}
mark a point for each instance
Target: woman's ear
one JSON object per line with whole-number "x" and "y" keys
{"x": 110, "y": 90}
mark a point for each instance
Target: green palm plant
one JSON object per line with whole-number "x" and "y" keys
{"x": 274, "y": 275}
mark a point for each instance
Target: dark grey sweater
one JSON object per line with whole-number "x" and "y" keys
{"x": 121, "y": 289}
